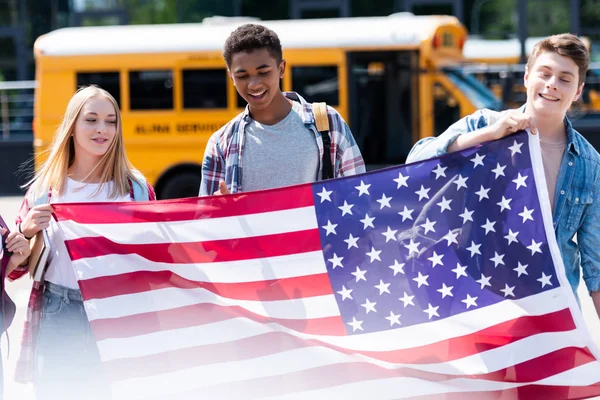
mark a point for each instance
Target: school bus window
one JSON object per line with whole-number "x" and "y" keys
{"x": 317, "y": 83}
{"x": 108, "y": 81}
{"x": 204, "y": 88}
{"x": 151, "y": 90}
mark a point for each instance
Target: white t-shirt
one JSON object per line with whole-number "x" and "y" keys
{"x": 60, "y": 269}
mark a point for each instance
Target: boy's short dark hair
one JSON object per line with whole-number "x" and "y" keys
{"x": 566, "y": 45}
{"x": 250, "y": 37}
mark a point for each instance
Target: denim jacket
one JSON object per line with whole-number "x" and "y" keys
{"x": 576, "y": 199}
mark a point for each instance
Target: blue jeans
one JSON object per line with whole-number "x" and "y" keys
{"x": 67, "y": 363}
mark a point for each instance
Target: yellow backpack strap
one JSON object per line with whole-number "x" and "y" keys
{"x": 322, "y": 122}
{"x": 320, "y": 112}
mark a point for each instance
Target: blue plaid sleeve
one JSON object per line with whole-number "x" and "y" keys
{"x": 213, "y": 166}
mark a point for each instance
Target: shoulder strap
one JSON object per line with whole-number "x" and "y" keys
{"x": 140, "y": 192}
{"x": 322, "y": 122}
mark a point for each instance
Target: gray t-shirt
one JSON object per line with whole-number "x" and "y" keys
{"x": 279, "y": 155}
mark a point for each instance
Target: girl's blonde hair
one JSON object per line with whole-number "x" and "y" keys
{"x": 114, "y": 164}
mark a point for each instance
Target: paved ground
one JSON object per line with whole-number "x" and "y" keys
{"x": 19, "y": 292}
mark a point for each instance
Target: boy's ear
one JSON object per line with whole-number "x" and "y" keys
{"x": 282, "y": 68}
{"x": 579, "y": 91}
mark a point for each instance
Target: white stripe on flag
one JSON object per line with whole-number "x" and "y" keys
{"x": 250, "y": 225}
{"x": 169, "y": 298}
{"x": 252, "y": 270}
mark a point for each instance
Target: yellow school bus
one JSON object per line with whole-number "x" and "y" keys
{"x": 391, "y": 78}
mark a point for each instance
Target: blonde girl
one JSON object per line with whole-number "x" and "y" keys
{"x": 86, "y": 163}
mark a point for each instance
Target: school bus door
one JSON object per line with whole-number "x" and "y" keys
{"x": 383, "y": 104}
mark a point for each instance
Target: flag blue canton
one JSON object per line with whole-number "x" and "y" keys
{"x": 430, "y": 240}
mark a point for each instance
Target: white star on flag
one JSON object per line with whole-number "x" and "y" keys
{"x": 499, "y": 170}
{"x": 484, "y": 281}
{"x": 345, "y": 293}
{"x": 432, "y": 311}
{"x": 393, "y": 318}
{"x": 374, "y": 254}
{"x": 397, "y": 267}
{"x": 446, "y": 291}
{"x": 360, "y": 274}
{"x": 439, "y": 171}
{"x": 508, "y": 290}
{"x": 511, "y": 237}
{"x": 436, "y": 259}
{"x": 428, "y": 226}
{"x": 477, "y": 160}
{"x": 421, "y": 280}
{"x": 470, "y": 301}
{"x": 401, "y": 180}
{"x": 384, "y": 201}
{"x": 362, "y": 189}
{"x": 383, "y": 287}
{"x": 545, "y": 280}
{"x": 336, "y": 261}
{"x": 451, "y": 237}
{"x": 369, "y": 306}
{"x": 390, "y": 234}
{"x": 406, "y": 214}
{"x": 520, "y": 181}
{"x": 489, "y": 226}
{"x": 535, "y": 247}
{"x": 460, "y": 182}
{"x": 466, "y": 216}
{"x": 356, "y": 325}
{"x": 497, "y": 259}
{"x": 521, "y": 269}
{"x": 515, "y": 148}
{"x": 504, "y": 204}
{"x": 460, "y": 270}
{"x": 526, "y": 214}
{"x": 474, "y": 248}
{"x": 423, "y": 193}
{"x": 367, "y": 221}
{"x": 413, "y": 247}
{"x": 483, "y": 193}
{"x": 352, "y": 241}
{"x": 407, "y": 300}
{"x": 325, "y": 195}
{"x": 330, "y": 228}
{"x": 444, "y": 204}
{"x": 346, "y": 208}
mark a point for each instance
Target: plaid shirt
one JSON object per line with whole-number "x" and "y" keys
{"x": 25, "y": 363}
{"x": 223, "y": 154}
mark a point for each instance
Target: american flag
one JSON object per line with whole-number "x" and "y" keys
{"x": 438, "y": 279}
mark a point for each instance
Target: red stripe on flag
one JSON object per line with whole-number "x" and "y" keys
{"x": 268, "y": 290}
{"x": 201, "y": 252}
{"x": 329, "y": 376}
{"x": 486, "y": 339}
{"x": 187, "y": 209}
{"x": 202, "y": 314}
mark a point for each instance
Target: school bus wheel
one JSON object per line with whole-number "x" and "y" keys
{"x": 179, "y": 184}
